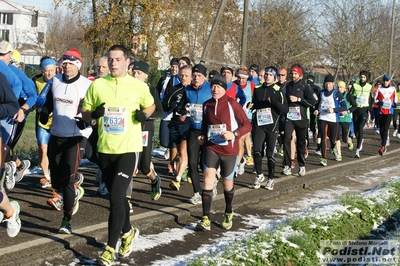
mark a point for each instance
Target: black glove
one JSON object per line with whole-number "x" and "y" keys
{"x": 141, "y": 116}
{"x": 44, "y": 116}
{"x": 272, "y": 100}
{"x": 99, "y": 112}
{"x": 82, "y": 124}
{"x": 182, "y": 111}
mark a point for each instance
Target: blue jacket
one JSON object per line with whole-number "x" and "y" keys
{"x": 199, "y": 96}
{"x": 14, "y": 81}
{"x": 28, "y": 87}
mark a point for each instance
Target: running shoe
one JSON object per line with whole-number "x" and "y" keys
{"x": 382, "y": 151}
{"x": 175, "y": 185}
{"x": 394, "y": 133}
{"x": 171, "y": 170}
{"x": 44, "y": 183}
{"x": 184, "y": 175}
{"x": 387, "y": 141}
{"x": 350, "y": 144}
{"x": 56, "y": 202}
{"x": 107, "y": 257}
{"x": 335, "y": 153}
{"x": 102, "y": 189}
{"x": 196, "y": 199}
{"x": 14, "y": 222}
{"x": 126, "y": 243}
{"x": 254, "y": 171}
{"x": 280, "y": 152}
{"x": 204, "y": 224}
{"x": 292, "y": 164}
{"x": 377, "y": 131}
{"x": 79, "y": 192}
{"x": 11, "y": 169}
{"x": 66, "y": 226}
{"x": 270, "y": 184}
{"x": 339, "y": 158}
{"x": 250, "y": 161}
{"x": 357, "y": 153}
{"x": 305, "y": 153}
{"x": 241, "y": 167}
{"x": 227, "y": 222}
{"x": 258, "y": 180}
{"x": 78, "y": 179}
{"x": 25, "y": 164}
{"x": 130, "y": 206}
{"x": 398, "y": 135}
{"x": 287, "y": 170}
{"x": 156, "y": 188}
{"x": 323, "y": 162}
{"x": 302, "y": 171}
{"x": 318, "y": 152}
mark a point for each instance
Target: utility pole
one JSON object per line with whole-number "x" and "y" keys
{"x": 213, "y": 29}
{"x": 392, "y": 37}
{"x": 245, "y": 31}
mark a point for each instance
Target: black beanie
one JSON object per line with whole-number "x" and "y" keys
{"x": 186, "y": 59}
{"x": 200, "y": 68}
{"x": 142, "y": 66}
{"x": 329, "y": 78}
{"x": 220, "y": 80}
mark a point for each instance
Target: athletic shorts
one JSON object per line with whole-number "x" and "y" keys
{"x": 228, "y": 164}
{"x": 178, "y": 132}
{"x": 8, "y": 129}
{"x": 42, "y": 135}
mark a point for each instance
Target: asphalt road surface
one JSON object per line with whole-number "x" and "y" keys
{"x": 38, "y": 243}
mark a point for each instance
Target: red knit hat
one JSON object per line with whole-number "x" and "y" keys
{"x": 72, "y": 56}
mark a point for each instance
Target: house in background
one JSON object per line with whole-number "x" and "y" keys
{"x": 25, "y": 28}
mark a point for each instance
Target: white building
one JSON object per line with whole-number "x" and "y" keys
{"x": 25, "y": 28}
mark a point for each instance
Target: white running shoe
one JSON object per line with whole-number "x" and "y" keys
{"x": 394, "y": 133}
{"x": 196, "y": 198}
{"x": 25, "y": 164}
{"x": 241, "y": 167}
{"x": 357, "y": 153}
{"x": 270, "y": 184}
{"x": 302, "y": 171}
{"x": 11, "y": 168}
{"x": 14, "y": 222}
{"x": 287, "y": 170}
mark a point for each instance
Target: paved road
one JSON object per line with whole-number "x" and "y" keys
{"x": 39, "y": 244}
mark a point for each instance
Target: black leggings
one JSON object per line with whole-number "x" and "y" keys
{"x": 396, "y": 119}
{"x": 91, "y": 147}
{"x": 261, "y": 135}
{"x": 117, "y": 173}
{"x": 384, "y": 124}
{"x": 343, "y": 131}
{"x": 327, "y": 129}
{"x": 65, "y": 155}
{"x": 300, "y": 127}
{"x": 194, "y": 151}
{"x": 360, "y": 116}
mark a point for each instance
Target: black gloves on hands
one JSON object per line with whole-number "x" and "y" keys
{"x": 99, "y": 112}
{"x": 82, "y": 124}
{"x": 141, "y": 116}
{"x": 182, "y": 111}
{"x": 44, "y": 116}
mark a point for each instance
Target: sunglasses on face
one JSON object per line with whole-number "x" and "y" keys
{"x": 70, "y": 58}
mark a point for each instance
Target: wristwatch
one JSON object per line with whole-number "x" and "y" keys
{"x": 298, "y": 99}
{"x": 236, "y": 134}
{"x": 93, "y": 122}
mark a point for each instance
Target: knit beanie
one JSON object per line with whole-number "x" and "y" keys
{"x": 200, "y": 68}
{"x": 329, "y": 78}
{"x": 72, "y": 56}
{"x": 220, "y": 80}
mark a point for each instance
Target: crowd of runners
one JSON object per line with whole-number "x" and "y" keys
{"x": 212, "y": 123}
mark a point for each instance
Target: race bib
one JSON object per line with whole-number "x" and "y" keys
{"x": 196, "y": 112}
{"x": 114, "y": 120}
{"x": 361, "y": 100}
{"x": 214, "y": 134}
{"x": 145, "y": 138}
{"x": 294, "y": 113}
{"x": 264, "y": 117}
{"x": 387, "y": 103}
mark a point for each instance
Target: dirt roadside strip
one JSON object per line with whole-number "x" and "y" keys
{"x": 49, "y": 247}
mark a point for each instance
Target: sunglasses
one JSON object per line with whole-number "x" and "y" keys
{"x": 281, "y": 75}
{"x": 70, "y": 58}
